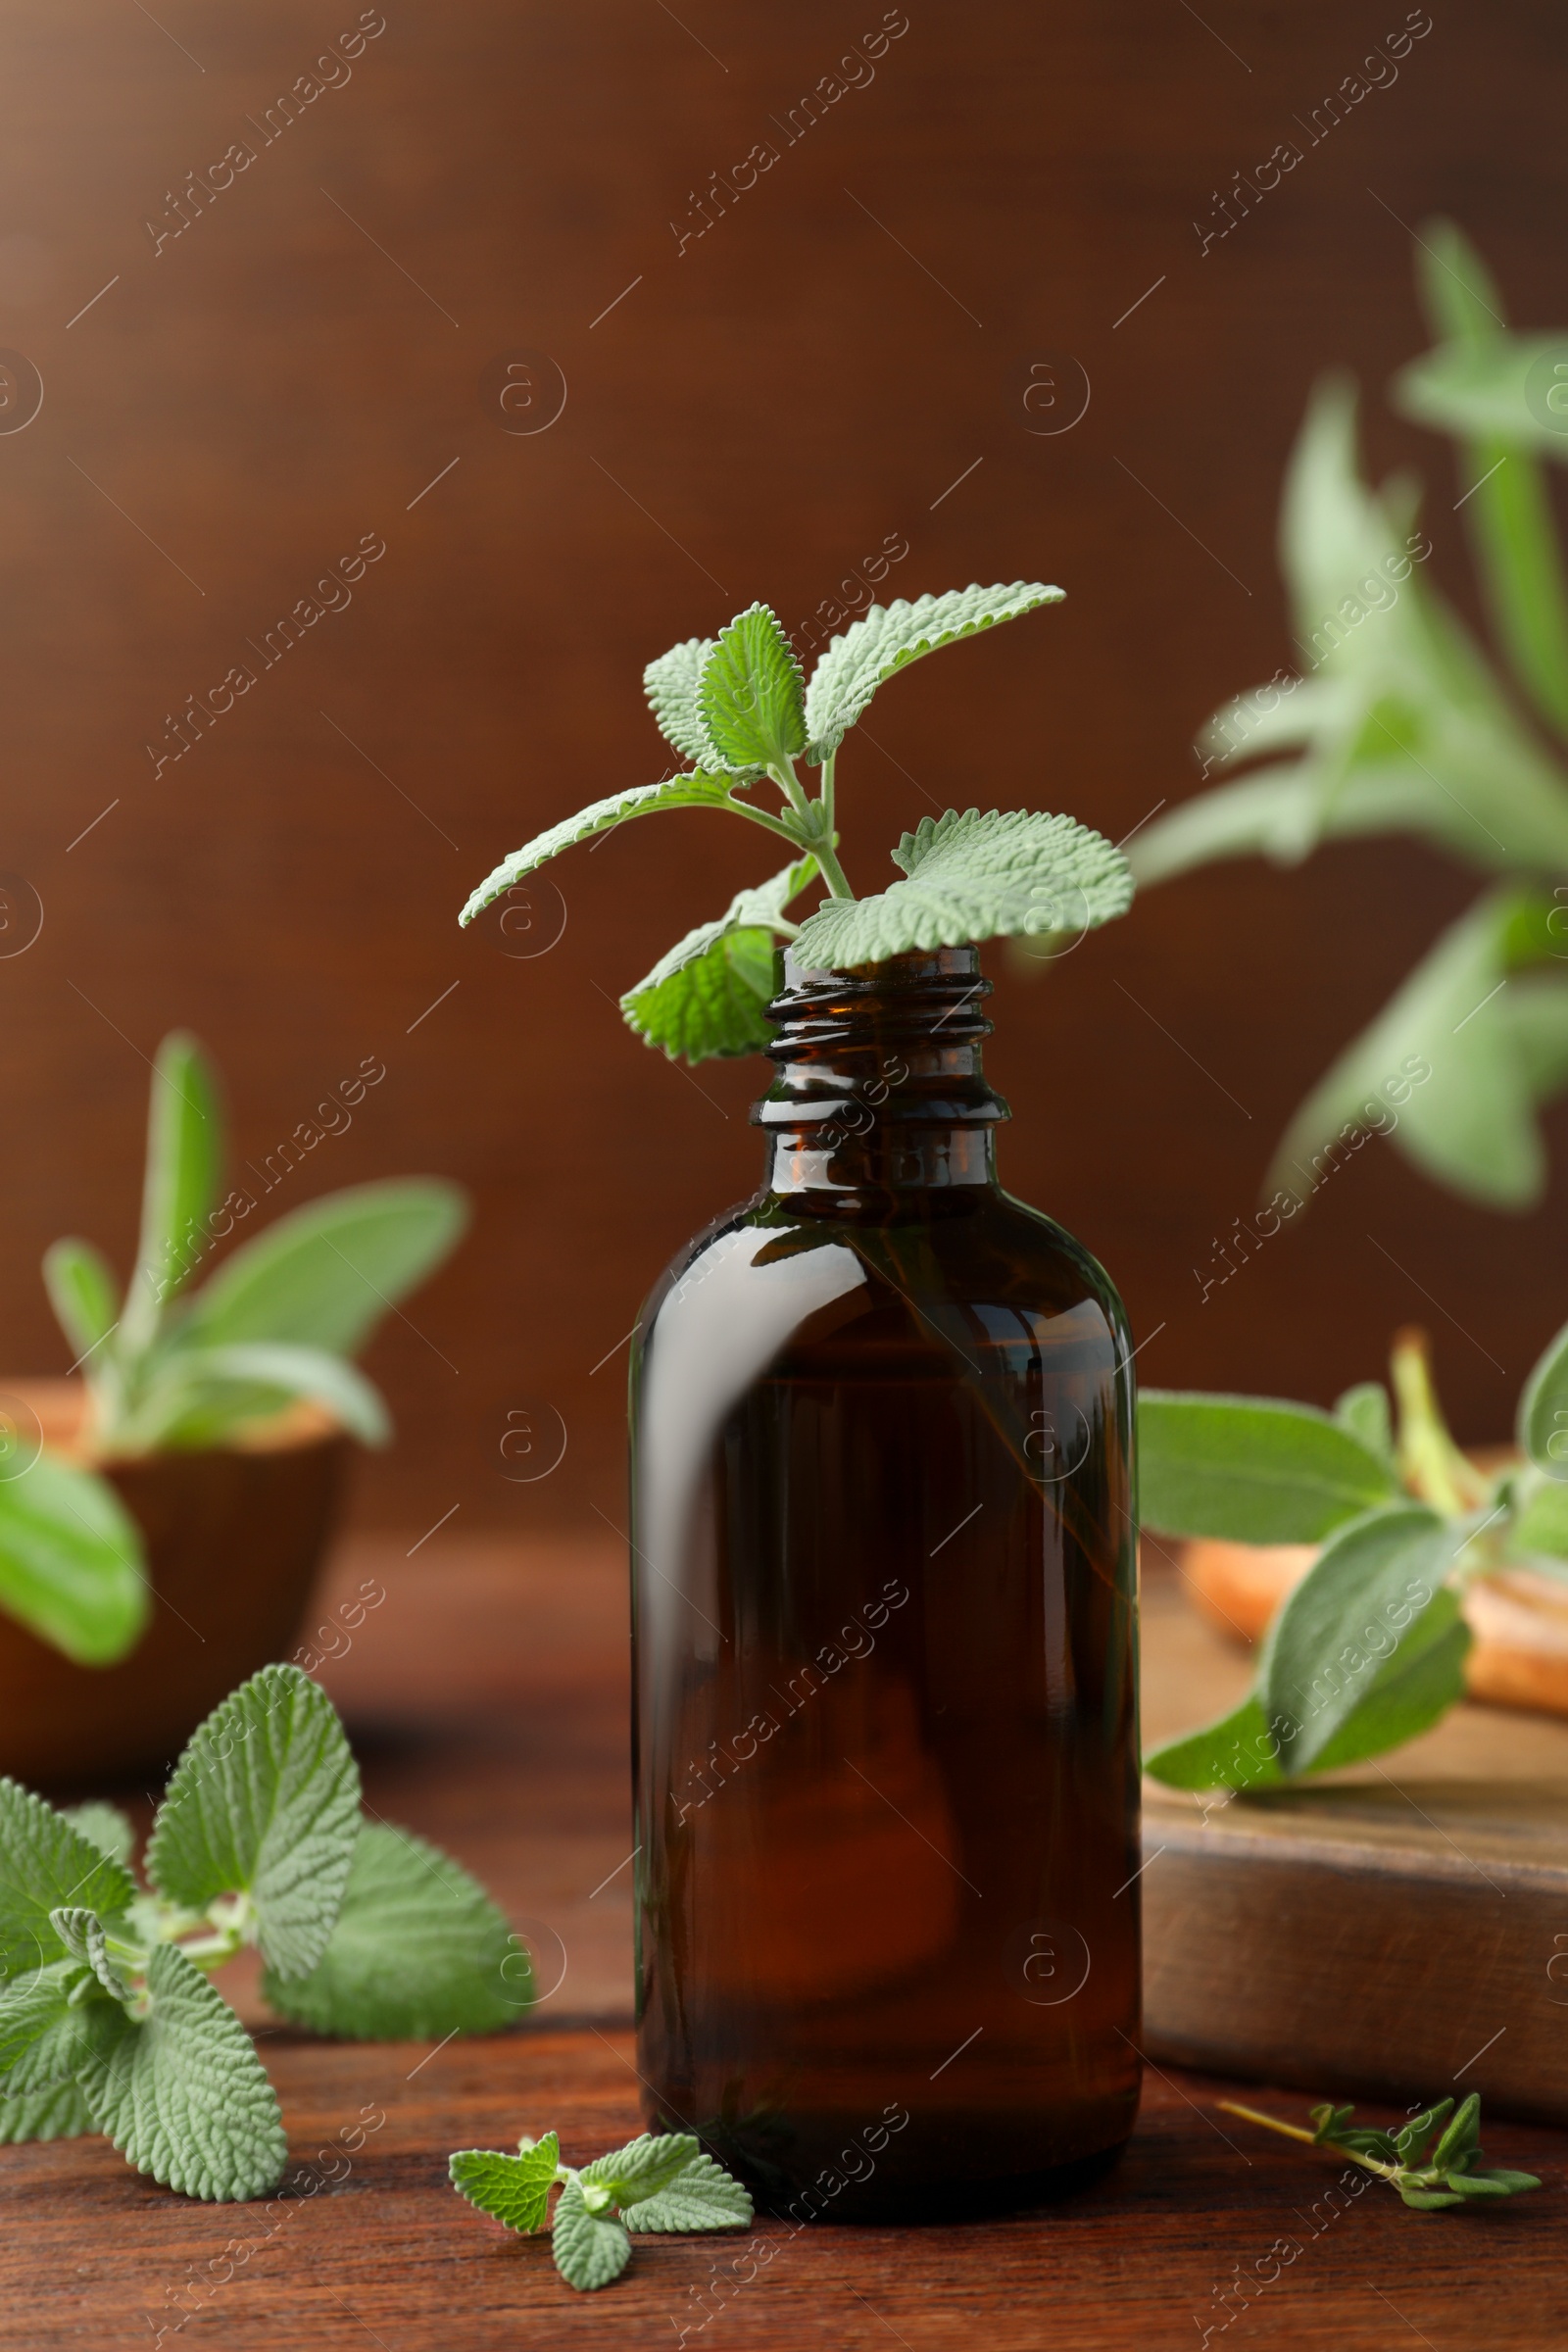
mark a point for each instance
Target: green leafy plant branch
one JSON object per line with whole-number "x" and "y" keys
{"x": 739, "y": 710}
{"x": 660, "y": 2181}
{"x": 168, "y": 1365}
{"x": 1431, "y": 2161}
{"x": 1369, "y": 1648}
{"x": 1401, "y": 722}
{"x": 108, "y": 2021}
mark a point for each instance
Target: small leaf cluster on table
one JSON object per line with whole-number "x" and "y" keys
{"x": 1369, "y": 1648}
{"x": 738, "y": 709}
{"x": 1431, "y": 2161}
{"x": 107, "y": 2022}
{"x": 658, "y": 2181}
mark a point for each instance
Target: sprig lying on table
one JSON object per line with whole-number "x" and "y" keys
{"x": 1369, "y": 1647}
{"x": 657, "y": 2182}
{"x": 107, "y": 2022}
{"x": 1429, "y": 2160}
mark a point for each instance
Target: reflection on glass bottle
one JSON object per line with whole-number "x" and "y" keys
{"x": 885, "y": 1627}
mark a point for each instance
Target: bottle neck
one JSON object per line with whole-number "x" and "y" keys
{"x": 879, "y": 1089}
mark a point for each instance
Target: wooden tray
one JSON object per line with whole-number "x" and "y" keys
{"x": 1399, "y": 1927}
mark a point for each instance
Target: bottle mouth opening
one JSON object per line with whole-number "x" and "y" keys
{"x": 886, "y": 1044}
{"x": 934, "y": 993}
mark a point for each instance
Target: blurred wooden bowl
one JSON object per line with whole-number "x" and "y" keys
{"x": 1519, "y": 1618}
{"x": 235, "y": 1535}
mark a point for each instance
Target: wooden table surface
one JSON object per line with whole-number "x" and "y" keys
{"x": 487, "y": 1700}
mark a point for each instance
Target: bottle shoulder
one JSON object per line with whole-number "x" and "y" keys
{"x": 774, "y": 1263}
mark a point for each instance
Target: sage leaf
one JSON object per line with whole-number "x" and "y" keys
{"x": 1251, "y": 1470}
{"x": 71, "y": 1561}
{"x": 323, "y": 1276}
{"x": 1507, "y": 506}
{"x": 515, "y": 2189}
{"x": 59, "y": 2112}
{"x": 1470, "y": 1122}
{"x": 417, "y": 1951}
{"x": 264, "y": 1801}
{"x": 105, "y": 1826}
{"x": 1540, "y": 1522}
{"x": 82, "y": 1931}
{"x": 670, "y": 685}
{"x": 1239, "y": 1752}
{"x": 699, "y": 789}
{"x": 1409, "y": 1692}
{"x": 974, "y": 877}
{"x": 182, "y": 2095}
{"x": 889, "y": 637}
{"x": 591, "y": 2249}
{"x": 664, "y": 2182}
{"x": 49, "y": 2028}
{"x": 750, "y": 693}
{"x": 81, "y": 1290}
{"x": 709, "y": 995}
{"x": 1365, "y": 1412}
{"x": 184, "y": 1162}
{"x": 223, "y": 1386}
{"x": 1542, "y": 1418}
{"x": 1476, "y": 390}
{"x": 1372, "y": 1581}
{"x": 44, "y": 1863}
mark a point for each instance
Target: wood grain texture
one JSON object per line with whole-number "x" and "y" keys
{"x": 1397, "y": 1927}
{"x": 487, "y": 1698}
{"x": 839, "y": 359}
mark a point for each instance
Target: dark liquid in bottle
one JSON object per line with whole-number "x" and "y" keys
{"x": 886, "y": 1696}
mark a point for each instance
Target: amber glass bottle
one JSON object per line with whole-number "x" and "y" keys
{"x": 885, "y": 1633}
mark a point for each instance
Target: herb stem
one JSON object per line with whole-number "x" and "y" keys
{"x": 1370, "y": 2164}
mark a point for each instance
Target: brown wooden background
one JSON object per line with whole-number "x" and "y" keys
{"x": 754, "y": 416}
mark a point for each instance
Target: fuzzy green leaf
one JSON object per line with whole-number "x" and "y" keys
{"x": 670, "y": 685}
{"x": 184, "y": 2094}
{"x": 184, "y": 1164}
{"x": 699, "y": 789}
{"x": 1507, "y": 386}
{"x": 1507, "y": 505}
{"x": 221, "y": 1388}
{"x": 266, "y": 1800}
{"x": 50, "y": 2023}
{"x": 105, "y": 1826}
{"x": 664, "y": 2182}
{"x": 82, "y": 1931}
{"x": 889, "y": 637}
{"x": 1365, "y": 1412}
{"x": 1540, "y": 1522}
{"x": 515, "y": 2189}
{"x": 1470, "y": 1122}
{"x": 419, "y": 1950}
{"x": 974, "y": 877}
{"x": 590, "y": 2248}
{"x": 1542, "y": 1422}
{"x": 45, "y": 1862}
{"x": 709, "y": 994}
{"x": 71, "y": 1561}
{"x": 1239, "y": 1752}
{"x": 1349, "y": 1615}
{"x": 751, "y": 695}
{"x": 1249, "y": 1469}
{"x": 1409, "y": 1692}
{"x": 59, "y": 2112}
{"x": 325, "y": 1275}
{"x": 82, "y": 1292}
